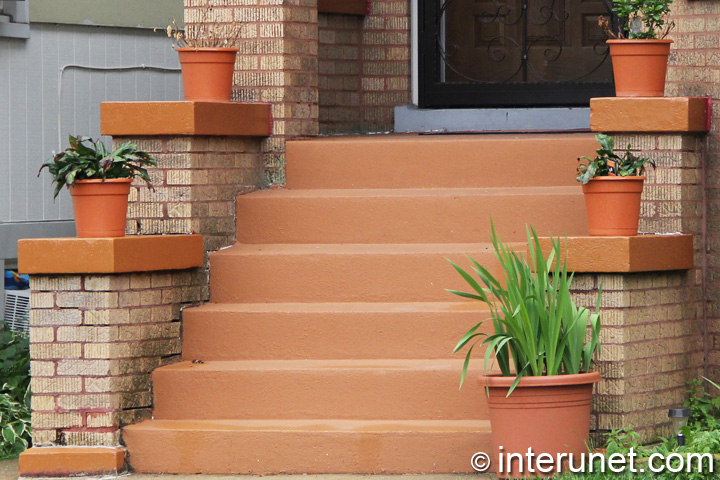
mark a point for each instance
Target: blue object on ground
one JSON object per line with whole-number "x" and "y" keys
{"x": 13, "y": 281}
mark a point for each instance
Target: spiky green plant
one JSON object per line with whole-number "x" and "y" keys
{"x": 537, "y": 326}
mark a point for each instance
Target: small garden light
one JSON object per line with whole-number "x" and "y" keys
{"x": 679, "y": 418}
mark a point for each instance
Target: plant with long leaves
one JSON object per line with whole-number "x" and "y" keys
{"x": 538, "y": 328}
{"x": 608, "y": 163}
{"x": 89, "y": 159}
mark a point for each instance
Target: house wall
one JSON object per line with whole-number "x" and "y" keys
{"x": 51, "y": 85}
{"x": 694, "y": 69}
{"x": 364, "y": 68}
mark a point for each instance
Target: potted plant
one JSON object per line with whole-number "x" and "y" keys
{"x": 207, "y": 56}
{"x": 99, "y": 182}
{"x": 639, "y": 50}
{"x": 541, "y": 397}
{"x": 613, "y": 186}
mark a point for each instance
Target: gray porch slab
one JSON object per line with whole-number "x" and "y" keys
{"x": 409, "y": 118}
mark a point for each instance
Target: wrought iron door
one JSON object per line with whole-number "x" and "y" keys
{"x": 509, "y": 53}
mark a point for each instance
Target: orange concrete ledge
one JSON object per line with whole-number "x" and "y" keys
{"x": 349, "y": 7}
{"x": 644, "y": 253}
{"x": 185, "y": 118}
{"x": 71, "y": 461}
{"x": 650, "y": 114}
{"x": 135, "y": 253}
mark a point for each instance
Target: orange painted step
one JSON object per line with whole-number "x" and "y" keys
{"x": 327, "y": 330}
{"x": 265, "y": 447}
{"x": 369, "y": 389}
{"x": 408, "y": 215}
{"x": 342, "y": 273}
{"x": 436, "y": 161}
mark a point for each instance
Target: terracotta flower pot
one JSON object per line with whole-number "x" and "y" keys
{"x": 549, "y": 414}
{"x": 639, "y": 67}
{"x": 613, "y": 205}
{"x": 207, "y": 73}
{"x": 100, "y": 207}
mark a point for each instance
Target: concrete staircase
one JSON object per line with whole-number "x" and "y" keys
{"x": 326, "y": 347}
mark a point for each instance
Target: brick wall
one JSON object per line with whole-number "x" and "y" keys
{"x": 364, "y": 65}
{"x": 694, "y": 69}
{"x": 95, "y": 339}
{"x": 277, "y": 63}
{"x": 195, "y": 185}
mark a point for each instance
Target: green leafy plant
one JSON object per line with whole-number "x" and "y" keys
{"x": 14, "y": 393}
{"x": 537, "y": 326}
{"x": 607, "y": 162}
{"x": 621, "y": 440}
{"x": 89, "y": 159}
{"x": 640, "y": 19}
{"x": 704, "y": 408}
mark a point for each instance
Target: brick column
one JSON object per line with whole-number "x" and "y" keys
{"x": 104, "y": 314}
{"x": 207, "y": 153}
{"x": 277, "y": 64}
{"x": 655, "y": 330}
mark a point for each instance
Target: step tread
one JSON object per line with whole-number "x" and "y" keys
{"x": 447, "y": 138}
{"x": 315, "y": 365}
{"x": 341, "y": 307}
{"x": 358, "y": 248}
{"x": 314, "y": 425}
{"x": 413, "y": 192}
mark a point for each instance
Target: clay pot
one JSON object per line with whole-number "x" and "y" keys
{"x": 207, "y": 73}
{"x": 549, "y": 414}
{"x": 613, "y": 205}
{"x": 100, "y": 207}
{"x": 639, "y": 67}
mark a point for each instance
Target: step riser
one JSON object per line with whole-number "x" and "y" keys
{"x": 264, "y": 453}
{"x": 339, "y": 393}
{"x": 436, "y": 161}
{"x": 279, "y": 218}
{"x": 372, "y": 277}
{"x": 213, "y": 335}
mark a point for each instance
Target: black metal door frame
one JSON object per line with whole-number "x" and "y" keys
{"x": 436, "y": 94}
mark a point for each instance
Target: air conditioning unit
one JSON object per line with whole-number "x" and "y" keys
{"x": 17, "y": 310}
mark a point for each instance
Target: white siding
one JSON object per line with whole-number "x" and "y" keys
{"x": 52, "y": 84}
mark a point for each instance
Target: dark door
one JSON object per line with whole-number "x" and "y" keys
{"x": 477, "y": 53}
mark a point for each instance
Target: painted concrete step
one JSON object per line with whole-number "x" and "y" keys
{"x": 265, "y": 447}
{"x": 436, "y": 161}
{"x": 458, "y": 215}
{"x": 368, "y": 389}
{"x": 248, "y": 331}
{"x": 343, "y": 273}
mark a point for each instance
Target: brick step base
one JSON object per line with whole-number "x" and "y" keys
{"x": 311, "y": 389}
{"x": 342, "y": 273}
{"x": 436, "y": 161}
{"x": 247, "y": 331}
{"x": 263, "y": 447}
{"x": 418, "y": 215}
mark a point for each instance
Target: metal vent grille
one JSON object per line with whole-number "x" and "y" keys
{"x": 17, "y": 310}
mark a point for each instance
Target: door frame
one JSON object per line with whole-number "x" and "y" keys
{"x": 427, "y": 92}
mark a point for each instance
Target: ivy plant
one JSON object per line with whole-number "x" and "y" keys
{"x": 607, "y": 162}
{"x": 14, "y": 393}
{"x": 89, "y": 159}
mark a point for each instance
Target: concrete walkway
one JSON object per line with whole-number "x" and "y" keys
{"x": 8, "y": 471}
